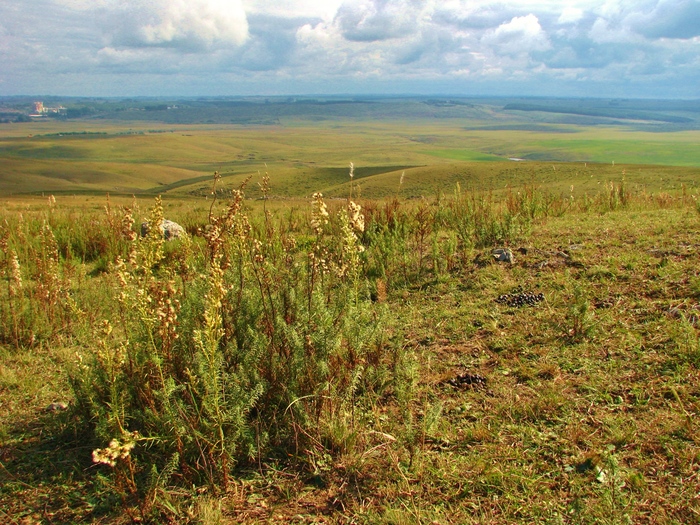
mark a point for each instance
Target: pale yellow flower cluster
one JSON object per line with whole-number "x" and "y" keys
{"x": 115, "y": 451}
{"x": 15, "y": 274}
{"x": 351, "y": 249}
{"x": 319, "y": 213}
{"x": 166, "y": 308}
{"x": 258, "y": 252}
{"x": 355, "y": 216}
{"x": 127, "y": 223}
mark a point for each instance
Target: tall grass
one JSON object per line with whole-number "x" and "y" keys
{"x": 480, "y": 221}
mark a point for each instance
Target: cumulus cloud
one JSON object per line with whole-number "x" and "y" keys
{"x": 322, "y": 45}
{"x": 341, "y": 42}
{"x": 475, "y": 15}
{"x": 372, "y": 20}
{"x": 523, "y": 34}
{"x": 192, "y": 25}
{"x": 570, "y": 15}
{"x": 323, "y": 9}
{"x": 271, "y": 45}
{"x": 604, "y": 31}
{"x": 677, "y": 19}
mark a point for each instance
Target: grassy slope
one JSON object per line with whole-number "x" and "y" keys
{"x": 584, "y": 429}
{"x": 297, "y": 152}
{"x": 587, "y": 415}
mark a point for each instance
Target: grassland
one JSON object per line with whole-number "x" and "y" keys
{"x": 579, "y": 409}
{"x": 307, "y": 144}
{"x": 301, "y": 361}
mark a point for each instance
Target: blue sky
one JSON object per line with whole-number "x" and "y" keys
{"x": 614, "y": 48}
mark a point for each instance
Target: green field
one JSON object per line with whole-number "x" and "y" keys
{"x": 600, "y": 146}
{"x": 303, "y": 152}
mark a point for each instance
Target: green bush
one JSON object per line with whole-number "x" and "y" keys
{"x": 269, "y": 350}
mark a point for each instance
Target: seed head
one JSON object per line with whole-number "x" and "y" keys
{"x": 355, "y": 216}
{"x": 15, "y": 274}
{"x": 116, "y": 450}
{"x": 319, "y": 213}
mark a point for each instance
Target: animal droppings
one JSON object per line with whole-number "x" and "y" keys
{"x": 519, "y": 298}
{"x": 467, "y": 379}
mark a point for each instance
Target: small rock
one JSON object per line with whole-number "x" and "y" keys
{"x": 503, "y": 255}
{"x": 171, "y": 230}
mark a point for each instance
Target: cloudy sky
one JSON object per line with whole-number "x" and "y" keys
{"x": 630, "y": 48}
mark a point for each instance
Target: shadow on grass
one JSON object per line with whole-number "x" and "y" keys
{"x": 46, "y": 472}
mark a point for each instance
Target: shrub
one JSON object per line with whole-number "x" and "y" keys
{"x": 270, "y": 351}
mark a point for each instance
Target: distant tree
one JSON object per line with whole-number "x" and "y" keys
{"x": 83, "y": 111}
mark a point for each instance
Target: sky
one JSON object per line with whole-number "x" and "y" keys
{"x": 581, "y": 48}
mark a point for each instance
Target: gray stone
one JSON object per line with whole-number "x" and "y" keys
{"x": 171, "y": 230}
{"x": 503, "y": 255}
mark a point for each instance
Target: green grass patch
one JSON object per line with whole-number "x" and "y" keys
{"x": 645, "y": 151}
{"x": 465, "y": 155}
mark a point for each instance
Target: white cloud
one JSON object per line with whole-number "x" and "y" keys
{"x": 523, "y": 34}
{"x": 324, "y": 9}
{"x": 372, "y": 20}
{"x": 323, "y": 50}
{"x": 336, "y": 42}
{"x": 603, "y": 31}
{"x": 194, "y": 25}
{"x": 570, "y": 15}
{"x": 677, "y": 19}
